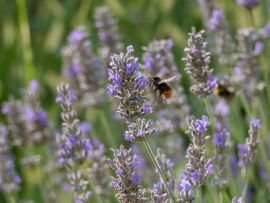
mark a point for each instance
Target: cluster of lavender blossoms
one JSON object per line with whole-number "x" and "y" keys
{"x": 127, "y": 85}
{"x": 127, "y": 181}
{"x": 82, "y": 157}
{"x": 248, "y": 151}
{"x": 223, "y": 45}
{"x": 222, "y": 144}
{"x": 159, "y": 61}
{"x": 27, "y": 121}
{"x": 197, "y": 62}
{"x": 250, "y": 47}
{"x": 9, "y": 179}
{"x": 108, "y": 33}
{"x": 158, "y": 191}
{"x": 199, "y": 167}
{"x": 82, "y": 67}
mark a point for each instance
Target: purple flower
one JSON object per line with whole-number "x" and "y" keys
{"x": 221, "y": 137}
{"x": 197, "y": 60}
{"x": 212, "y": 82}
{"x": 85, "y": 127}
{"x": 266, "y": 30}
{"x": 119, "y": 172}
{"x": 216, "y": 20}
{"x": 196, "y": 178}
{"x": 76, "y": 69}
{"x": 60, "y": 99}
{"x": 72, "y": 141}
{"x": 249, "y": 4}
{"x": 142, "y": 82}
{"x": 136, "y": 180}
{"x": 184, "y": 186}
{"x": 255, "y": 123}
{"x": 147, "y": 109}
{"x": 222, "y": 109}
{"x": 169, "y": 45}
{"x": 210, "y": 168}
{"x": 130, "y": 49}
{"x": 34, "y": 86}
{"x": 76, "y": 36}
{"x": 41, "y": 117}
{"x": 149, "y": 63}
{"x": 132, "y": 67}
{"x": 201, "y": 125}
{"x": 5, "y": 109}
{"x": 259, "y": 46}
{"x": 127, "y": 85}
{"x": 126, "y": 183}
{"x": 196, "y": 52}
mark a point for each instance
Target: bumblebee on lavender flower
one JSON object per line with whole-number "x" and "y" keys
{"x": 225, "y": 89}
{"x": 161, "y": 87}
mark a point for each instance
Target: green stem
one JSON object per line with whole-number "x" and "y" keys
{"x": 245, "y": 183}
{"x": 25, "y": 39}
{"x": 151, "y": 155}
{"x": 199, "y": 195}
{"x": 251, "y": 18}
{"x": 210, "y": 113}
{"x": 220, "y": 196}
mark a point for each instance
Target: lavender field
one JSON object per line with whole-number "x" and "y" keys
{"x": 135, "y": 101}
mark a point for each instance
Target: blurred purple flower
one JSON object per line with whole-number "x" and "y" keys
{"x": 249, "y": 4}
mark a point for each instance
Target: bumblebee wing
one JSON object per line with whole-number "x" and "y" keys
{"x": 167, "y": 80}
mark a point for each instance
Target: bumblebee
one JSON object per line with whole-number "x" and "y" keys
{"x": 161, "y": 86}
{"x": 225, "y": 90}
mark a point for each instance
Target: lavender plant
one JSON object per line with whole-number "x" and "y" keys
{"x": 107, "y": 32}
{"x": 127, "y": 181}
{"x": 79, "y": 154}
{"x": 247, "y": 58}
{"x": 248, "y": 151}
{"x": 223, "y": 45}
{"x": 199, "y": 167}
{"x": 197, "y": 62}
{"x": 128, "y": 87}
{"x": 28, "y": 122}
{"x": 222, "y": 146}
{"x": 10, "y": 181}
{"x": 82, "y": 67}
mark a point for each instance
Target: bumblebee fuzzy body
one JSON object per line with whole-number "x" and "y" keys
{"x": 161, "y": 87}
{"x": 225, "y": 90}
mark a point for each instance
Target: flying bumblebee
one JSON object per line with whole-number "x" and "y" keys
{"x": 225, "y": 90}
{"x": 161, "y": 86}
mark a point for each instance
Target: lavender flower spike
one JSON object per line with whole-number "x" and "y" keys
{"x": 74, "y": 146}
{"x": 82, "y": 68}
{"x": 248, "y": 151}
{"x": 222, "y": 145}
{"x": 82, "y": 157}
{"x": 249, "y": 4}
{"x": 197, "y": 64}
{"x": 127, "y": 181}
{"x": 199, "y": 167}
{"x": 9, "y": 179}
{"x": 127, "y": 85}
{"x": 159, "y": 192}
{"x": 107, "y": 33}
